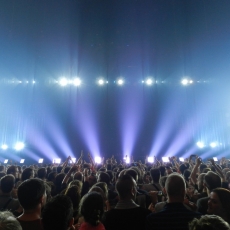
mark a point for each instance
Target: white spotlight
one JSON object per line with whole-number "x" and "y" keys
{"x": 101, "y": 82}
{"x": 76, "y": 82}
{"x": 165, "y": 159}
{"x": 215, "y": 158}
{"x": 150, "y": 159}
{"x": 5, "y": 161}
{"x": 184, "y": 81}
{"x": 63, "y": 82}
{"x": 120, "y": 82}
{"x": 56, "y": 161}
{"x": 22, "y": 161}
{"x": 181, "y": 159}
{"x": 127, "y": 159}
{"x": 200, "y": 144}
{"x": 213, "y": 145}
{"x": 97, "y": 160}
{"x": 149, "y": 81}
{"x": 19, "y": 146}
{"x": 4, "y": 146}
{"x": 40, "y": 161}
{"x": 73, "y": 160}
{"x": 33, "y": 82}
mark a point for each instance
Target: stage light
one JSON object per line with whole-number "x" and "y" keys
{"x": 76, "y": 82}
{"x": 97, "y": 160}
{"x": 19, "y": 146}
{"x": 56, "y": 161}
{"x": 101, "y": 82}
{"x": 120, "y": 81}
{"x": 149, "y": 81}
{"x": 150, "y": 159}
{"x": 40, "y": 161}
{"x": 215, "y": 158}
{"x": 6, "y": 161}
{"x": 213, "y": 145}
{"x": 165, "y": 159}
{"x": 33, "y": 82}
{"x": 22, "y": 161}
{"x": 74, "y": 160}
{"x": 191, "y": 81}
{"x": 63, "y": 82}
{"x": 4, "y": 147}
{"x": 27, "y": 82}
{"x": 184, "y": 81}
{"x": 200, "y": 144}
{"x": 127, "y": 160}
{"x": 181, "y": 159}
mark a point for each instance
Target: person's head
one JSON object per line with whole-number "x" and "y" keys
{"x": 187, "y": 174}
{"x": 155, "y": 175}
{"x": 51, "y": 176}
{"x": 218, "y": 203}
{"x": 42, "y": 173}
{"x": 92, "y": 208}
{"x": 100, "y": 191}
{"x": 7, "y": 183}
{"x": 27, "y": 173}
{"x": 78, "y": 176}
{"x": 183, "y": 167}
{"x": 32, "y": 194}
{"x": 103, "y": 186}
{"x": 209, "y": 222}
{"x": 162, "y": 170}
{"x": 73, "y": 193}
{"x": 13, "y": 170}
{"x": 8, "y": 221}
{"x": 58, "y": 213}
{"x": 104, "y": 177}
{"x": 126, "y": 187}
{"x": 202, "y": 167}
{"x": 92, "y": 179}
{"x": 132, "y": 173}
{"x": 228, "y": 176}
{"x": 200, "y": 181}
{"x": 58, "y": 181}
{"x": 212, "y": 181}
{"x": 76, "y": 183}
{"x": 175, "y": 187}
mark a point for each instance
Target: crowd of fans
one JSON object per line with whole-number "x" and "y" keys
{"x": 190, "y": 195}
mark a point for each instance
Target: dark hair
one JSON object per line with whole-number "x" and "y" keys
{"x": 73, "y": 193}
{"x": 186, "y": 174}
{"x": 183, "y": 167}
{"x": 42, "y": 173}
{"x": 7, "y": 183}
{"x": 92, "y": 208}
{"x": 155, "y": 174}
{"x": 58, "y": 182}
{"x": 124, "y": 186}
{"x": 132, "y": 173}
{"x": 51, "y": 176}
{"x": 11, "y": 169}
{"x": 104, "y": 177}
{"x": 78, "y": 176}
{"x": 27, "y": 173}
{"x": 162, "y": 170}
{"x": 57, "y": 213}
{"x": 30, "y": 192}
{"x": 103, "y": 186}
{"x": 212, "y": 180}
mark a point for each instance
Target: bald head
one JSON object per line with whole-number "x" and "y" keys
{"x": 175, "y": 186}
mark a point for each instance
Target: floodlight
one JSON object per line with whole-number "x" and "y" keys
{"x": 6, "y": 161}
{"x": 150, "y": 159}
{"x": 76, "y": 82}
{"x": 215, "y": 158}
{"x": 191, "y": 81}
{"x": 181, "y": 159}
{"x": 200, "y": 144}
{"x": 149, "y": 81}
{"x": 63, "y": 82}
{"x": 127, "y": 159}
{"x": 74, "y": 160}
{"x": 56, "y": 161}
{"x": 97, "y": 160}
{"x": 22, "y": 161}
{"x": 33, "y": 82}
{"x": 19, "y": 146}
{"x": 120, "y": 82}
{"x": 101, "y": 82}
{"x": 40, "y": 161}
{"x": 165, "y": 159}
{"x": 184, "y": 81}
{"x": 4, "y": 146}
{"x": 213, "y": 145}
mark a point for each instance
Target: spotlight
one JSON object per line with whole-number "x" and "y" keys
{"x": 101, "y": 82}
{"x": 22, "y": 161}
{"x": 127, "y": 159}
{"x": 215, "y": 158}
{"x": 213, "y": 145}
{"x": 6, "y": 161}
{"x": 165, "y": 159}
{"x": 40, "y": 161}
{"x": 56, "y": 161}
{"x": 33, "y": 82}
{"x": 19, "y": 146}
{"x": 120, "y": 81}
{"x": 200, "y": 144}
{"x": 184, "y": 81}
{"x": 76, "y": 82}
{"x": 63, "y": 82}
{"x": 4, "y": 147}
{"x": 149, "y": 81}
{"x": 97, "y": 160}
{"x": 181, "y": 159}
{"x": 150, "y": 159}
{"x": 74, "y": 160}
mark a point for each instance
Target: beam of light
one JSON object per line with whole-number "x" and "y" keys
{"x": 120, "y": 81}
{"x": 73, "y": 159}
{"x": 22, "y": 161}
{"x": 200, "y": 144}
{"x": 213, "y": 145}
{"x": 77, "y": 82}
{"x": 150, "y": 159}
{"x": 6, "y": 161}
{"x": 165, "y": 159}
{"x": 127, "y": 159}
{"x": 63, "y": 82}
{"x": 56, "y": 160}
{"x": 97, "y": 160}
{"x": 184, "y": 81}
{"x": 4, "y": 147}
{"x": 19, "y": 146}
{"x": 40, "y": 161}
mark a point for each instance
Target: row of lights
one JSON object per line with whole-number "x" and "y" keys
{"x": 18, "y": 146}
{"x": 201, "y": 144}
